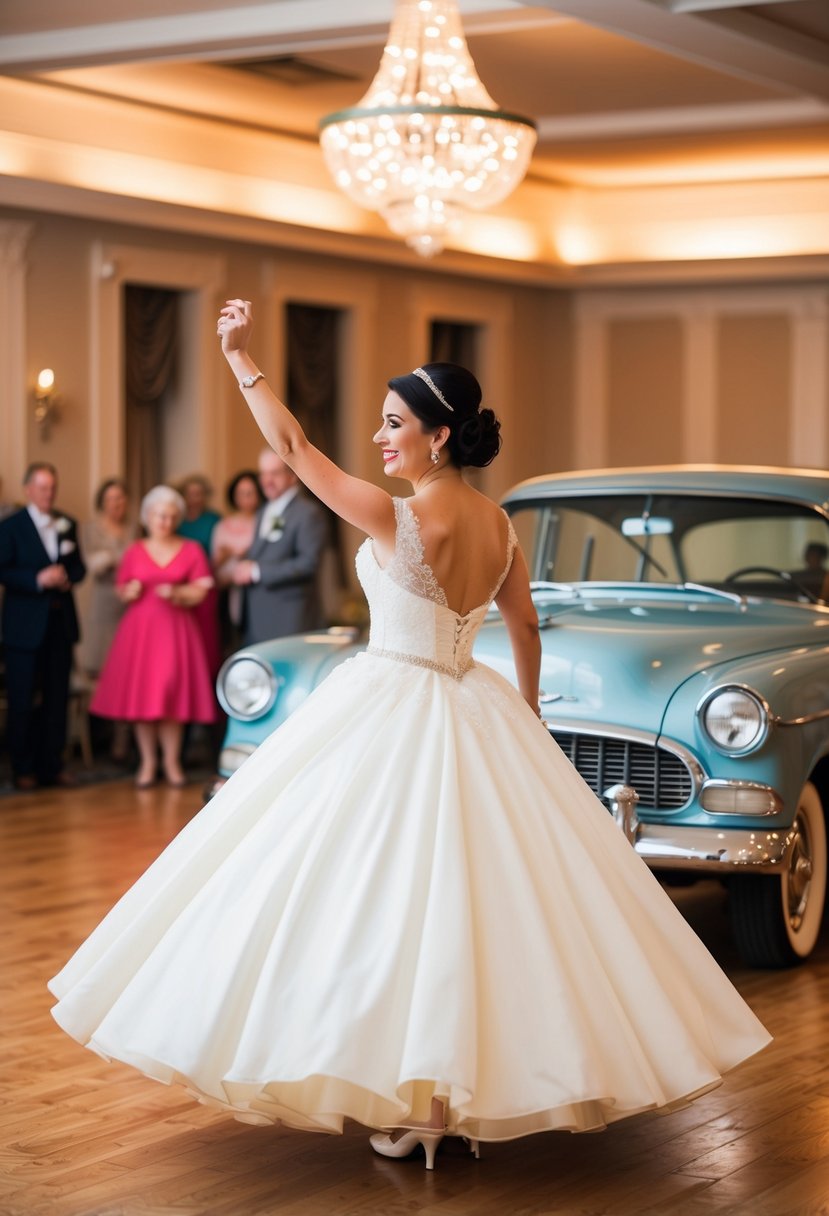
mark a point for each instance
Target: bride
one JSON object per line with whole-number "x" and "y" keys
{"x": 407, "y": 908}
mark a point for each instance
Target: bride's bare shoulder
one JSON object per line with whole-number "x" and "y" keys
{"x": 484, "y": 502}
{"x": 462, "y": 512}
{"x": 452, "y": 499}
{"x": 484, "y": 509}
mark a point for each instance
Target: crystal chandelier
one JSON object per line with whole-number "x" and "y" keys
{"x": 427, "y": 141}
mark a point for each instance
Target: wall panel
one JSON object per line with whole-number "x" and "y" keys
{"x": 743, "y": 376}
{"x": 644, "y": 390}
{"x": 753, "y": 391}
{"x": 65, "y": 291}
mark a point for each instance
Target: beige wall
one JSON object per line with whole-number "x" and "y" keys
{"x": 73, "y": 269}
{"x": 541, "y": 434}
{"x": 644, "y": 387}
{"x": 754, "y": 364}
{"x": 713, "y": 374}
{"x": 581, "y": 378}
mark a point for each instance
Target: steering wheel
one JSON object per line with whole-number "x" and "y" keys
{"x": 783, "y": 575}
{"x": 778, "y": 574}
{"x": 735, "y": 574}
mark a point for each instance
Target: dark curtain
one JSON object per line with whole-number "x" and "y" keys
{"x": 312, "y": 372}
{"x": 151, "y": 342}
{"x": 452, "y": 342}
{"x": 312, "y": 353}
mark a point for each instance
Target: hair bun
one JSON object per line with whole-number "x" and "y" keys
{"x": 478, "y": 439}
{"x": 444, "y": 394}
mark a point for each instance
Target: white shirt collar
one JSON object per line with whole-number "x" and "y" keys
{"x": 279, "y": 504}
{"x": 41, "y": 519}
{"x": 47, "y": 529}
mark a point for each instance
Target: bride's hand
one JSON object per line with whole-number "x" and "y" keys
{"x": 235, "y": 324}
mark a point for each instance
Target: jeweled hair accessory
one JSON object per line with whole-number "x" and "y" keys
{"x": 427, "y": 380}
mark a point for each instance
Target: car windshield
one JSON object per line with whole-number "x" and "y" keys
{"x": 751, "y": 546}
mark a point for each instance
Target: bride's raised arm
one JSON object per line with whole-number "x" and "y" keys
{"x": 359, "y": 502}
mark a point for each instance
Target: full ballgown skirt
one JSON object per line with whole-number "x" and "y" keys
{"x": 408, "y": 891}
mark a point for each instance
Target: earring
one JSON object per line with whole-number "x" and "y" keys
{"x": 435, "y": 457}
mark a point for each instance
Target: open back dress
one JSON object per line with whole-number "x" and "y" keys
{"x": 408, "y": 892}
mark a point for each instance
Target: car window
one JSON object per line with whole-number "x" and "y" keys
{"x": 583, "y": 540}
{"x": 756, "y": 546}
{"x": 713, "y": 550}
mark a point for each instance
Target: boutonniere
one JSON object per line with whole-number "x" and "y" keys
{"x": 62, "y": 525}
{"x": 276, "y": 527}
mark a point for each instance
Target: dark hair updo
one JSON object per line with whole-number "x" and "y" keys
{"x": 474, "y": 433}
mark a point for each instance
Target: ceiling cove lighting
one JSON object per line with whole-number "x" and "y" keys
{"x": 427, "y": 142}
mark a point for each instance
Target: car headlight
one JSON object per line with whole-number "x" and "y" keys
{"x": 735, "y": 719}
{"x": 246, "y": 687}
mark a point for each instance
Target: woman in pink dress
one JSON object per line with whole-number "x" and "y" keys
{"x": 156, "y": 674}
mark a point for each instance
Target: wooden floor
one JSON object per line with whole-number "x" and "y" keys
{"x": 79, "y": 1137}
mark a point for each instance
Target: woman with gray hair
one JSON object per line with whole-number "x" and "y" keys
{"x": 156, "y": 674}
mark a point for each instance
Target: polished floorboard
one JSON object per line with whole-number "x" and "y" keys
{"x": 79, "y": 1137}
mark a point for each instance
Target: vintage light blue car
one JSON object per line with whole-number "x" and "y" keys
{"x": 686, "y": 654}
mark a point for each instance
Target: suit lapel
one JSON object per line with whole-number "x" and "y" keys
{"x": 258, "y": 541}
{"x": 30, "y": 527}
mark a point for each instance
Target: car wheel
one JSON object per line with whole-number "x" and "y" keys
{"x": 776, "y": 919}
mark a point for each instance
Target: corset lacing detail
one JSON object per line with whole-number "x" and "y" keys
{"x": 446, "y": 636}
{"x": 416, "y": 660}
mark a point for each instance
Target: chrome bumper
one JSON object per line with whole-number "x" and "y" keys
{"x": 717, "y": 850}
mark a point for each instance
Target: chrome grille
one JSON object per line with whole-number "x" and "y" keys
{"x": 660, "y": 777}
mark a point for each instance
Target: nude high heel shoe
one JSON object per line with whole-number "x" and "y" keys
{"x": 383, "y": 1144}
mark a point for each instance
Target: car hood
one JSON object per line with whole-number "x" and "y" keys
{"x": 621, "y": 659}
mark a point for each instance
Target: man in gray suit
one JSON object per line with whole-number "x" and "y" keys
{"x": 279, "y": 572}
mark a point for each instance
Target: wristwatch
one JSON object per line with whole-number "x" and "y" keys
{"x": 249, "y": 381}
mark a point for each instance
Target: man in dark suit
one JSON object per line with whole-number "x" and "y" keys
{"x": 39, "y": 564}
{"x": 281, "y": 567}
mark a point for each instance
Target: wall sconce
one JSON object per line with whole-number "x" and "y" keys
{"x": 45, "y": 400}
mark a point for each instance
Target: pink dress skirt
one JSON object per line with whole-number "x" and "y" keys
{"x": 157, "y": 668}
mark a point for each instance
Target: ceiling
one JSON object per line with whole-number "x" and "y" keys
{"x": 635, "y": 100}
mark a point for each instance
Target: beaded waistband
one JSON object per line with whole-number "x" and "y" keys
{"x": 457, "y": 673}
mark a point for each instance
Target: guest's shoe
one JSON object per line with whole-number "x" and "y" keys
{"x": 175, "y": 783}
{"x": 383, "y": 1144}
{"x": 144, "y": 783}
{"x": 65, "y": 780}
{"x": 25, "y": 783}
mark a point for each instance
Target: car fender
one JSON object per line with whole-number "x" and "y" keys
{"x": 795, "y": 686}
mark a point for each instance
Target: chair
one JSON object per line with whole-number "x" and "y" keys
{"x": 77, "y": 717}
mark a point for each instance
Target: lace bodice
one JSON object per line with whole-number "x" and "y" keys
{"x": 410, "y": 617}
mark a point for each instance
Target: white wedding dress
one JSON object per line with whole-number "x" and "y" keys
{"x": 408, "y": 891}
